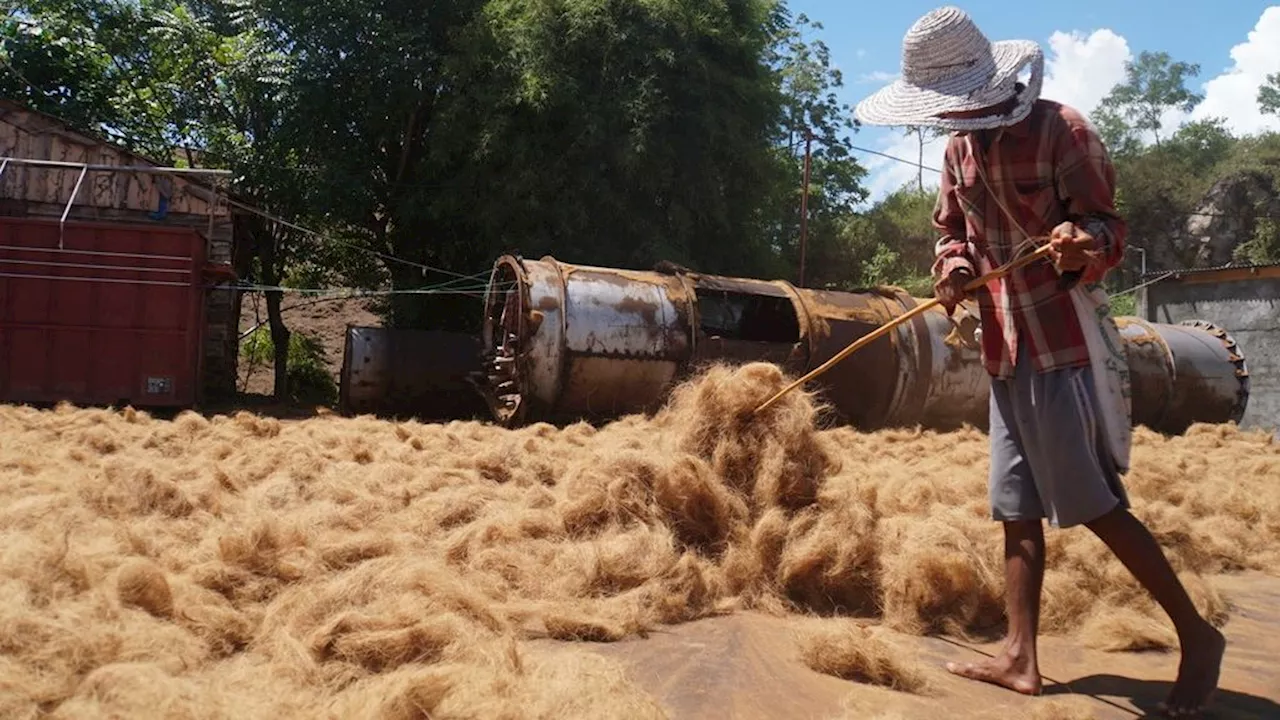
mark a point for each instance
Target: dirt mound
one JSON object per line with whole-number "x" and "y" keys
{"x": 244, "y": 566}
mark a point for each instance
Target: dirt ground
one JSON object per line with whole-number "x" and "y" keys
{"x": 745, "y": 667}
{"x": 326, "y": 320}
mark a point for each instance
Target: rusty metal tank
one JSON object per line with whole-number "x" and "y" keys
{"x": 564, "y": 342}
{"x": 1181, "y": 374}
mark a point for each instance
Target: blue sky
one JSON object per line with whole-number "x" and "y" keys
{"x": 1235, "y": 42}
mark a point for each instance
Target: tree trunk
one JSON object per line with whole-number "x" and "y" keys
{"x": 280, "y": 344}
{"x": 406, "y": 309}
{"x": 920, "y": 160}
{"x": 267, "y": 241}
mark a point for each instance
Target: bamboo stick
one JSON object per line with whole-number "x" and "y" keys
{"x": 883, "y": 330}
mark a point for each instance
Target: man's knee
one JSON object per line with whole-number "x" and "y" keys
{"x": 1023, "y": 529}
{"x": 1118, "y": 514}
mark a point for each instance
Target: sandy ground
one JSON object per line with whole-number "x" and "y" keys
{"x": 746, "y": 667}
{"x": 703, "y": 562}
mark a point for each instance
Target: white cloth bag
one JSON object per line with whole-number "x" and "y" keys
{"x": 1110, "y": 366}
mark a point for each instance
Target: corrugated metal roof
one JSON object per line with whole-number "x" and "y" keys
{"x": 1213, "y": 269}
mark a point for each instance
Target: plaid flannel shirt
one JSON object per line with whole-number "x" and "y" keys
{"x": 1049, "y": 168}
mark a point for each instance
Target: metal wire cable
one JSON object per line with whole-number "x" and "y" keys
{"x": 354, "y": 246}
{"x": 1136, "y": 288}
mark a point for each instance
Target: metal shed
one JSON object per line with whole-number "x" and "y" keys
{"x": 92, "y": 191}
{"x": 96, "y": 313}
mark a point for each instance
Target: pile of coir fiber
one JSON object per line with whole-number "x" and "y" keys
{"x": 246, "y": 567}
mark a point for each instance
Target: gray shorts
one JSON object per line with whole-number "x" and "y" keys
{"x": 1049, "y": 457}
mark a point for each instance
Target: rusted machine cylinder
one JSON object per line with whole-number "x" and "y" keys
{"x": 564, "y": 342}
{"x": 1183, "y": 374}
{"x": 927, "y": 372}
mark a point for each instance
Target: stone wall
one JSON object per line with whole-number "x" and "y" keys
{"x": 222, "y": 323}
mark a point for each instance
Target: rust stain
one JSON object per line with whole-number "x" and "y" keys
{"x": 1139, "y": 333}
{"x": 678, "y": 292}
{"x": 636, "y": 306}
{"x": 612, "y": 276}
{"x": 824, "y": 307}
{"x": 535, "y": 321}
{"x": 962, "y": 333}
{"x": 859, "y": 308}
{"x": 548, "y": 302}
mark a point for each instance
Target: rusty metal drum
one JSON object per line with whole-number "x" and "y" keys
{"x": 564, "y": 342}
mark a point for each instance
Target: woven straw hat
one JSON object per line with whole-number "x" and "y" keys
{"x": 949, "y": 65}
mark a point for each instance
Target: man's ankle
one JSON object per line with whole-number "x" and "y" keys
{"x": 1019, "y": 651}
{"x": 1196, "y": 631}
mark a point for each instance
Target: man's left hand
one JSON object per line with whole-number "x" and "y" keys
{"x": 1071, "y": 247}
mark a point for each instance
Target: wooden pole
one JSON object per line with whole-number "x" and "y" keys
{"x": 884, "y": 329}
{"x": 804, "y": 201}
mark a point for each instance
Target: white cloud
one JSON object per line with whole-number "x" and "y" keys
{"x": 1234, "y": 94}
{"x": 877, "y": 76}
{"x": 1079, "y": 71}
{"x": 885, "y": 176}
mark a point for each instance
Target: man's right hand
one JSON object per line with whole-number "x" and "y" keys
{"x": 950, "y": 290}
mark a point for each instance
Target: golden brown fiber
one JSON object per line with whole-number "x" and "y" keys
{"x": 254, "y": 568}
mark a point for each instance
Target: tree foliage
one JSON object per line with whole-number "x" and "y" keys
{"x": 1269, "y": 94}
{"x": 1153, "y": 85}
{"x": 427, "y": 136}
{"x": 423, "y": 139}
{"x": 812, "y": 119}
{"x": 892, "y": 243}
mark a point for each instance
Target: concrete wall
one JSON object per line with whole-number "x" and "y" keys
{"x": 1249, "y": 310}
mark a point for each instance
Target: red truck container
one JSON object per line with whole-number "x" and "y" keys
{"x": 100, "y": 313}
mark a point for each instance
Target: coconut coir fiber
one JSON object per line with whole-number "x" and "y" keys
{"x": 246, "y": 567}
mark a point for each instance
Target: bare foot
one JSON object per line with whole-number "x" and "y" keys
{"x": 1197, "y": 674}
{"x": 1019, "y": 674}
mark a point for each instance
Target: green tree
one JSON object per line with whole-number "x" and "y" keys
{"x": 604, "y": 132}
{"x": 1200, "y": 145}
{"x": 197, "y": 84}
{"x": 1157, "y": 187}
{"x": 1269, "y": 94}
{"x": 1264, "y": 247}
{"x": 1153, "y": 85}
{"x": 892, "y": 243}
{"x": 94, "y": 63}
{"x": 373, "y": 131}
{"x": 808, "y": 86}
{"x": 1120, "y": 138}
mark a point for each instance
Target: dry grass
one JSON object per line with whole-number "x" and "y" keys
{"x": 241, "y": 566}
{"x": 851, "y": 651}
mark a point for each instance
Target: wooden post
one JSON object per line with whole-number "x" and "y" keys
{"x": 804, "y": 201}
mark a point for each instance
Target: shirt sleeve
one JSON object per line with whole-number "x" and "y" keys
{"x": 952, "y": 250}
{"x": 1086, "y": 183}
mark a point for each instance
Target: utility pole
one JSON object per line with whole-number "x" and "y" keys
{"x": 804, "y": 201}
{"x": 920, "y": 160}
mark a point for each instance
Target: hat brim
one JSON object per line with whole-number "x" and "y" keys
{"x": 904, "y": 104}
